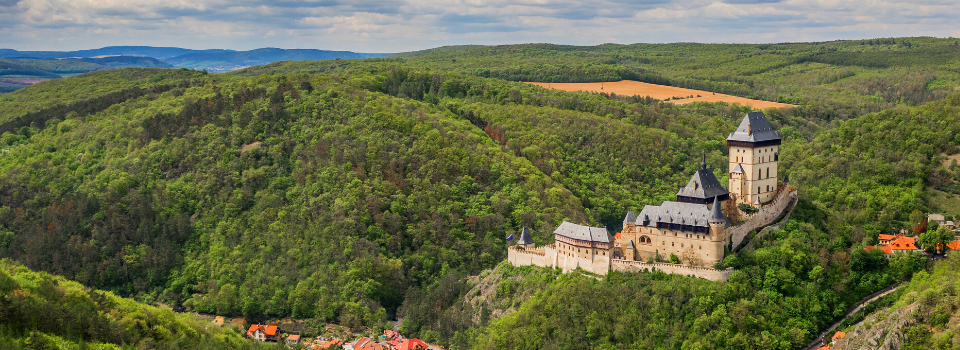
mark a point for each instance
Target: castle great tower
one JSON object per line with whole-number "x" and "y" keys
{"x": 754, "y": 155}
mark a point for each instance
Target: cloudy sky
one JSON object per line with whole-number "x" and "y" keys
{"x": 405, "y": 25}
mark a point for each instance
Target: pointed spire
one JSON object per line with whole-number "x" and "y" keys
{"x": 786, "y": 179}
{"x": 703, "y": 161}
{"x": 631, "y": 218}
{"x": 525, "y": 236}
{"x": 631, "y": 246}
{"x": 717, "y": 215}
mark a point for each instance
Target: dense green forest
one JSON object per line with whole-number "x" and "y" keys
{"x": 40, "y": 311}
{"x": 14, "y": 72}
{"x": 353, "y": 191}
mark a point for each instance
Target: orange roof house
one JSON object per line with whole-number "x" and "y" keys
{"x": 891, "y": 244}
{"x": 293, "y": 338}
{"x": 365, "y": 343}
{"x": 837, "y": 335}
{"x": 412, "y": 344}
{"x": 885, "y": 239}
{"x": 328, "y": 344}
{"x": 263, "y": 332}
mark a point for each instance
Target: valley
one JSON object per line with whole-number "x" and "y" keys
{"x": 379, "y": 193}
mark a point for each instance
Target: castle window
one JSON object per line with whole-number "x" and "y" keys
{"x": 768, "y": 172}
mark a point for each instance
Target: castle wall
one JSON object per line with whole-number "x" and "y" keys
{"x": 701, "y": 272}
{"x": 707, "y": 249}
{"x": 764, "y": 217}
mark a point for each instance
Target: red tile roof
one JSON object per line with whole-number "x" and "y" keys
{"x": 293, "y": 337}
{"x": 903, "y": 243}
{"x": 884, "y": 237}
{"x": 412, "y": 344}
{"x": 270, "y": 329}
{"x": 329, "y": 343}
{"x": 365, "y": 343}
{"x": 838, "y": 335}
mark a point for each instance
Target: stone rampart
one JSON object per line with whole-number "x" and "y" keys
{"x": 764, "y": 217}
{"x": 701, "y": 272}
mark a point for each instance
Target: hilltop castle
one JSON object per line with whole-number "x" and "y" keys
{"x": 696, "y": 227}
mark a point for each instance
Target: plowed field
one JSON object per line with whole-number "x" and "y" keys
{"x": 661, "y": 92}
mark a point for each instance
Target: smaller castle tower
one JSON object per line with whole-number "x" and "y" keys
{"x": 525, "y": 240}
{"x": 718, "y": 222}
{"x": 630, "y": 252}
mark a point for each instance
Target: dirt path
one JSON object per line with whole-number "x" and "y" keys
{"x": 660, "y": 92}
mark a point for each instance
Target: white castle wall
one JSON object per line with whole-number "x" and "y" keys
{"x": 701, "y": 272}
{"x": 764, "y": 217}
{"x": 547, "y": 257}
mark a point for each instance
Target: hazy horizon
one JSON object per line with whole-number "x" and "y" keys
{"x": 405, "y": 25}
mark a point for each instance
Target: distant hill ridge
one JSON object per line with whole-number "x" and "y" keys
{"x": 212, "y": 59}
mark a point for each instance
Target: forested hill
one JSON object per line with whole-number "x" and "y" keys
{"x": 348, "y": 191}
{"x": 40, "y": 311}
{"x": 839, "y": 79}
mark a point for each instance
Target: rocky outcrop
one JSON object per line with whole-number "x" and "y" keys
{"x": 883, "y": 330}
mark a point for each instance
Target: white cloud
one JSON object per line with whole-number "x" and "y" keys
{"x": 400, "y": 25}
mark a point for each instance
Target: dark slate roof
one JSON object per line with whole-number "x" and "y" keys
{"x": 630, "y": 219}
{"x": 584, "y": 233}
{"x": 631, "y": 246}
{"x": 525, "y": 236}
{"x": 716, "y": 214}
{"x": 737, "y": 170}
{"x": 691, "y": 214}
{"x": 703, "y": 185}
{"x": 754, "y": 128}
{"x": 648, "y": 215}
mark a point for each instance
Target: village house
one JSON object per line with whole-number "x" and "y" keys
{"x": 365, "y": 343}
{"x": 410, "y": 344}
{"x": 320, "y": 343}
{"x": 891, "y": 245}
{"x": 293, "y": 339}
{"x": 263, "y": 333}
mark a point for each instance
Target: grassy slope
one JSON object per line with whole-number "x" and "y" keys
{"x": 40, "y": 311}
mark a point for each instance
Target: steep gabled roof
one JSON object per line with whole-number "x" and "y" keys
{"x": 737, "y": 170}
{"x": 525, "y": 236}
{"x": 703, "y": 185}
{"x": 270, "y": 329}
{"x": 584, "y": 233}
{"x": 754, "y": 128}
{"x": 631, "y": 246}
{"x": 631, "y": 219}
{"x": 648, "y": 216}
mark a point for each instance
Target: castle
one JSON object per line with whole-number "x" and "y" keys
{"x": 695, "y": 228}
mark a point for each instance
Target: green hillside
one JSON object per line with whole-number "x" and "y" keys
{"x": 19, "y": 73}
{"x": 350, "y": 191}
{"x": 40, "y": 311}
